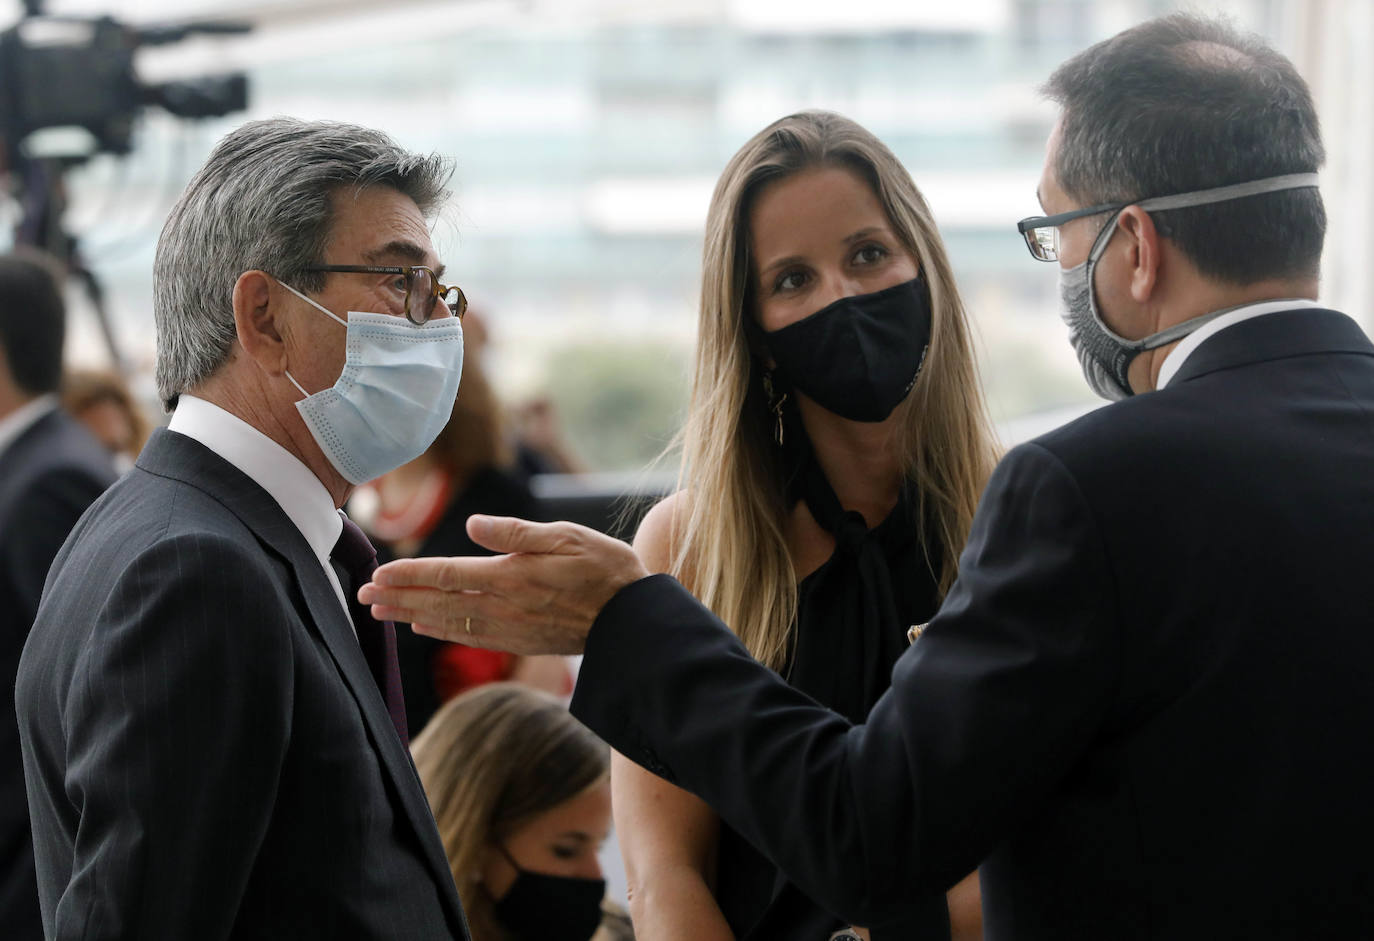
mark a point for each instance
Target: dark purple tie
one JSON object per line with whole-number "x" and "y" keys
{"x": 377, "y": 638}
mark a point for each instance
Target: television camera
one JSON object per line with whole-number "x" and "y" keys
{"x": 78, "y": 72}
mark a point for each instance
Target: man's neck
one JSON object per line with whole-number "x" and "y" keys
{"x": 287, "y": 430}
{"x": 1205, "y": 297}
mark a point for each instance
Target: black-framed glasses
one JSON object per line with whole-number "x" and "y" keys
{"x": 422, "y": 288}
{"x": 1042, "y": 232}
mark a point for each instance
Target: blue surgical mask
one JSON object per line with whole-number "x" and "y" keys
{"x": 1105, "y": 355}
{"x": 392, "y": 399}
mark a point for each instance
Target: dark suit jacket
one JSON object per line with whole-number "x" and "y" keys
{"x": 48, "y": 476}
{"x": 206, "y": 752}
{"x": 1145, "y": 706}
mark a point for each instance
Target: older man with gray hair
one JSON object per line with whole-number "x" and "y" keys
{"x": 213, "y": 737}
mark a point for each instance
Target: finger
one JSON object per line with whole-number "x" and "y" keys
{"x": 442, "y": 610}
{"x": 509, "y": 534}
{"x": 475, "y": 639}
{"x": 465, "y": 573}
{"x": 493, "y": 623}
{"x": 406, "y": 604}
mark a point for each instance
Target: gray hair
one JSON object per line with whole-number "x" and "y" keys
{"x": 263, "y": 201}
{"x": 1183, "y": 103}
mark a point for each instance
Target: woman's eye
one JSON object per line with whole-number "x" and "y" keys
{"x": 870, "y": 254}
{"x": 790, "y": 281}
{"x": 565, "y": 852}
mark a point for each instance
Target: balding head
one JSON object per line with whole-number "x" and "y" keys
{"x": 1180, "y": 104}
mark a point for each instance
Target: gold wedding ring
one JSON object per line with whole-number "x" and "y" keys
{"x": 467, "y": 625}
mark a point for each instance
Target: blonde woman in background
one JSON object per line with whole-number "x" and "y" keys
{"x": 520, "y": 793}
{"x": 101, "y": 401}
{"x": 833, "y": 455}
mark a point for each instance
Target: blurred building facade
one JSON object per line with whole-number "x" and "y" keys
{"x": 588, "y": 135}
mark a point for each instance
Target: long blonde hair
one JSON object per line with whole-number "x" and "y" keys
{"x": 730, "y": 546}
{"x": 491, "y": 760}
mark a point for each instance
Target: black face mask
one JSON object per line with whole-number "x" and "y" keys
{"x": 860, "y": 356}
{"x": 541, "y": 907}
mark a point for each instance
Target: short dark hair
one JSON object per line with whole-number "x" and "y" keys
{"x": 33, "y": 323}
{"x": 1182, "y": 103}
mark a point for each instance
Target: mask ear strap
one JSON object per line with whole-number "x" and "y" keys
{"x": 296, "y": 384}
{"x": 316, "y": 304}
{"x": 1099, "y": 248}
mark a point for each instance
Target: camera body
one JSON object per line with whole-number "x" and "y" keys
{"x": 79, "y": 72}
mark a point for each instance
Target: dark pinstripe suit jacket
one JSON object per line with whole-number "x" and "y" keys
{"x": 207, "y": 755}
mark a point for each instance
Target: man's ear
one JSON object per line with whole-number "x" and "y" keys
{"x": 1144, "y": 256}
{"x": 257, "y": 306}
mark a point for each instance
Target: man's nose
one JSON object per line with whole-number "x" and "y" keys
{"x": 440, "y": 309}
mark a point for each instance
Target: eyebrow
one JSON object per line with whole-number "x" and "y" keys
{"x": 847, "y": 240}
{"x": 400, "y": 248}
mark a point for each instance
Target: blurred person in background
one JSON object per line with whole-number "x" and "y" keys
{"x": 533, "y": 431}
{"x": 213, "y": 731}
{"x": 540, "y": 447}
{"x": 1145, "y": 703}
{"x": 422, "y": 508}
{"x": 51, "y": 470}
{"x": 101, "y": 400}
{"x": 521, "y": 794}
{"x": 834, "y": 451}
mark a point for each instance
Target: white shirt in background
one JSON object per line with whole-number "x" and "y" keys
{"x": 22, "y": 418}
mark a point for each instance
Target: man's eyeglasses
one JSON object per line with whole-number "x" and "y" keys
{"x": 1042, "y": 232}
{"x": 422, "y": 288}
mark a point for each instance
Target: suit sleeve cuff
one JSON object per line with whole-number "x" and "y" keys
{"x": 625, "y": 641}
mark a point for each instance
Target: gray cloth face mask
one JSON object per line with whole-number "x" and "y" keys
{"x": 1105, "y": 355}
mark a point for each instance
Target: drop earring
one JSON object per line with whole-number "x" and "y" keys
{"x": 775, "y": 401}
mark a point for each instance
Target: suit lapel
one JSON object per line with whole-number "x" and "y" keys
{"x": 172, "y": 455}
{"x": 1276, "y": 336}
{"x": 337, "y": 631}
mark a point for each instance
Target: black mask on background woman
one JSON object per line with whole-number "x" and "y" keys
{"x": 543, "y": 907}
{"x": 860, "y": 356}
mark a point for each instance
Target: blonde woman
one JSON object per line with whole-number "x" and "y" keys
{"x": 101, "y": 401}
{"x": 520, "y": 793}
{"x": 833, "y": 455}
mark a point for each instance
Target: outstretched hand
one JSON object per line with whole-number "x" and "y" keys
{"x": 541, "y": 597}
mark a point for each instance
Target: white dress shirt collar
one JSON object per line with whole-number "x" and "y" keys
{"x": 24, "y": 417}
{"x": 300, "y": 494}
{"x": 1169, "y": 368}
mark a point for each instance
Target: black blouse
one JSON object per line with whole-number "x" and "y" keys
{"x": 852, "y": 619}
